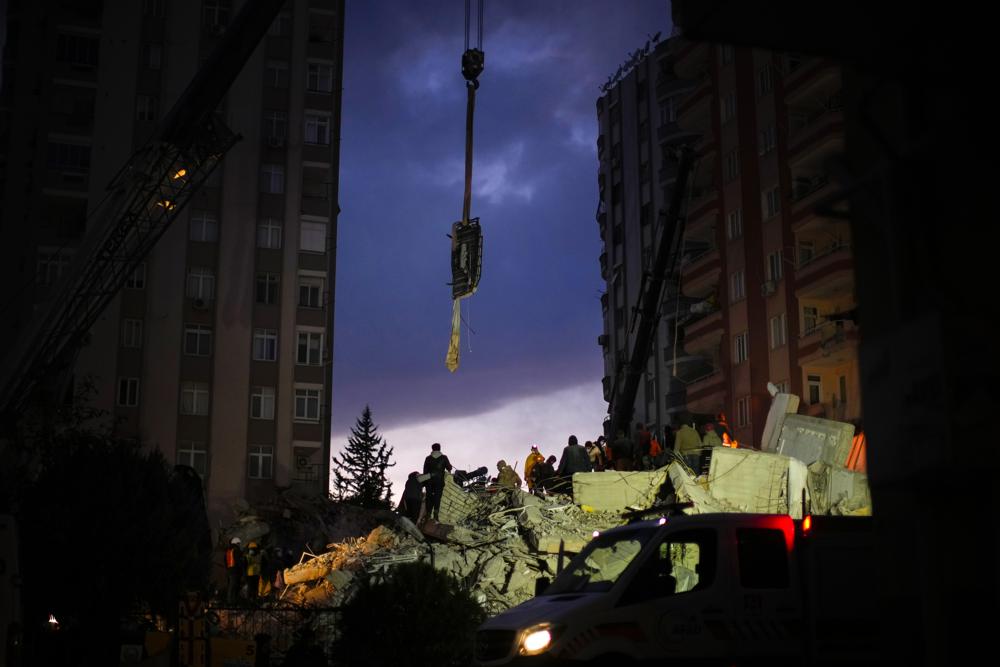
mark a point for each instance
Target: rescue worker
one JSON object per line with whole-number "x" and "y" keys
{"x": 534, "y": 457}
{"x": 710, "y": 437}
{"x": 435, "y": 465}
{"x": 687, "y": 442}
{"x": 545, "y": 475}
{"x": 596, "y": 456}
{"x": 507, "y": 478}
{"x": 722, "y": 429}
{"x": 235, "y": 565}
{"x": 643, "y": 439}
{"x": 574, "y": 459}
{"x": 253, "y": 570}
{"x": 413, "y": 496}
{"x": 655, "y": 452}
{"x": 621, "y": 451}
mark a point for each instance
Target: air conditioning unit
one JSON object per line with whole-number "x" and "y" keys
{"x": 768, "y": 287}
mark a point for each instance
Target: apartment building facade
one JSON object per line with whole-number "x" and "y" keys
{"x": 218, "y": 349}
{"x": 765, "y": 287}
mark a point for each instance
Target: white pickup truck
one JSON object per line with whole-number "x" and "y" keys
{"x": 705, "y": 589}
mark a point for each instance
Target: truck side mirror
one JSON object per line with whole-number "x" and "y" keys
{"x": 541, "y": 583}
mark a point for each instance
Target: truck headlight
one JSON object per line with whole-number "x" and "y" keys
{"x": 537, "y": 639}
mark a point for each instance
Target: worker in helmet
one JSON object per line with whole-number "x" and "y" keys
{"x": 534, "y": 458}
{"x": 254, "y": 568}
{"x": 506, "y": 476}
{"x": 235, "y": 567}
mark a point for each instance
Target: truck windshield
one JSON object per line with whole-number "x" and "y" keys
{"x": 601, "y": 563}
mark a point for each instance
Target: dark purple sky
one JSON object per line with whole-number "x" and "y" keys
{"x": 537, "y": 312}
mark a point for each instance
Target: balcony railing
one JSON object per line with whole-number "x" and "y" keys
{"x": 806, "y": 186}
{"x": 826, "y": 252}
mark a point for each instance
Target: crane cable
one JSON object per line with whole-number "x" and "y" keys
{"x": 472, "y": 66}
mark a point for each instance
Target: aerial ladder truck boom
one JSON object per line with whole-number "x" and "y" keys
{"x": 142, "y": 200}
{"x": 646, "y": 315}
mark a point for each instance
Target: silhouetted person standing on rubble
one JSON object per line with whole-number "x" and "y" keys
{"x": 506, "y": 476}
{"x": 574, "y": 459}
{"x": 435, "y": 465}
{"x": 235, "y": 565}
{"x": 544, "y": 474}
{"x": 413, "y": 496}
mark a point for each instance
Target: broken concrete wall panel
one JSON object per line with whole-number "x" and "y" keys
{"x": 754, "y": 481}
{"x": 781, "y": 406}
{"x": 836, "y": 490}
{"x": 456, "y": 504}
{"x": 615, "y": 491}
{"x": 811, "y": 439}
{"x": 687, "y": 490}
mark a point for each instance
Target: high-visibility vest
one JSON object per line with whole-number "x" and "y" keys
{"x": 231, "y": 557}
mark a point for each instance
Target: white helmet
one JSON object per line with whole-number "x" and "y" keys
{"x": 235, "y": 540}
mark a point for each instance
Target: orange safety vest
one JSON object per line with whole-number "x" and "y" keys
{"x": 230, "y": 558}
{"x": 654, "y": 448}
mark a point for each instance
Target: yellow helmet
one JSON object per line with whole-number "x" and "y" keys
{"x": 252, "y": 545}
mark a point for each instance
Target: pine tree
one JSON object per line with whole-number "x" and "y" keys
{"x": 359, "y": 471}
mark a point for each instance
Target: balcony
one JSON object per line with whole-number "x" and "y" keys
{"x": 704, "y": 199}
{"x": 812, "y": 75}
{"x": 703, "y": 333}
{"x": 669, "y": 84}
{"x": 828, "y": 275}
{"x": 606, "y": 382}
{"x": 700, "y": 274}
{"x": 807, "y": 191}
{"x": 707, "y": 394}
{"x": 823, "y": 127}
{"x": 604, "y": 265}
{"x": 692, "y": 59}
{"x": 830, "y": 344}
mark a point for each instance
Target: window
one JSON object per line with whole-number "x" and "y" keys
{"x": 194, "y": 398}
{"x": 322, "y": 28}
{"x": 732, "y": 165}
{"x": 311, "y": 292}
{"x": 774, "y": 266}
{"x": 741, "y": 347}
{"x": 197, "y": 340}
{"x": 729, "y": 107}
{"x": 145, "y": 108}
{"x": 727, "y": 53}
{"x": 131, "y": 333}
{"x": 668, "y": 111}
{"x": 743, "y": 411}
{"x": 737, "y": 289}
{"x": 312, "y": 236}
{"x": 152, "y": 7}
{"x": 684, "y": 562}
{"x": 81, "y": 51}
{"x": 772, "y": 202}
{"x": 138, "y": 278}
{"x": 765, "y": 80}
{"x": 810, "y": 319}
{"x": 269, "y": 234}
{"x": 153, "y": 55}
{"x": 260, "y": 462}
{"x": 265, "y": 345}
{"x": 734, "y": 224}
{"x": 645, "y": 214}
{"x": 768, "y": 139}
{"x": 807, "y": 251}
{"x": 51, "y": 266}
{"x": 201, "y": 284}
{"x": 262, "y": 403}
{"x": 319, "y": 78}
{"x": 309, "y": 349}
{"x": 204, "y": 227}
{"x": 215, "y": 13}
{"x": 272, "y": 178}
{"x": 193, "y": 454}
{"x": 782, "y": 386}
{"x": 128, "y": 392}
{"x": 317, "y": 129}
{"x": 777, "y": 331}
{"x": 267, "y": 288}
{"x": 814, "y": 386}
{"x": 68, "y": 157}
{"x": 275, "y": 128}
{"x": 276, "y": 74}
{"x": 281, "y": 26}
{"x": 763, "y": 557}
{"x": 307, "y": 404}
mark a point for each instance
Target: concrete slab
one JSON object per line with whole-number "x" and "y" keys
{"x": 836, "y": 490}
{"x": 612, "y": 491}
{"x": 754, "y": 481}
{"x": 781, "y": 406}
{"x": 456, "y": 504}
{"x": 811, "y": 439}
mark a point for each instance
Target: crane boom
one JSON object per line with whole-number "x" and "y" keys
{"x": 622, "y": 404}
{"x": 143, "y": 199}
